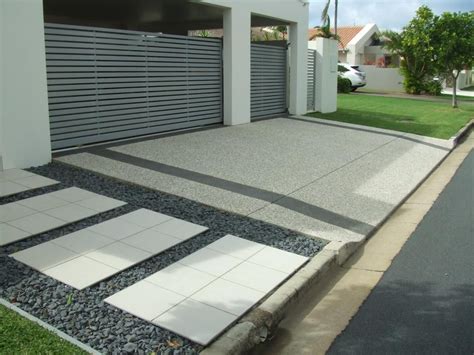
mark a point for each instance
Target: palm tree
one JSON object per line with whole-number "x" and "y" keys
{"x": 325, "y": 14}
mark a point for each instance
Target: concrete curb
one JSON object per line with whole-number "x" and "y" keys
{"x": 457, "y": 138}
{"x": 255, "y": 327}
{"x": 59, "y": 333}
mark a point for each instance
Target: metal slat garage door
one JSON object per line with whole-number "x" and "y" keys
{"x": 108, "y": 84}
{"x": 268, "y": 80}
{"x": 311, "y": 78}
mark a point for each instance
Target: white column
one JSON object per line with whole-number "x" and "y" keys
{"x": 236, "y": 66}
{"x": 298, "y": 67}
{"x": 326, "y": 75}
{"x": 24, "y": 120}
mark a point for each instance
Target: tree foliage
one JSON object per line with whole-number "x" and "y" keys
{"x": 454, "y": 38}
{"x": 432, "y": 46}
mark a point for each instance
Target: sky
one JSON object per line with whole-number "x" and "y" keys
{"x": 386, "y": 14}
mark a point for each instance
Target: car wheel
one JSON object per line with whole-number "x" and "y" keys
{"x": 353, "y": 89}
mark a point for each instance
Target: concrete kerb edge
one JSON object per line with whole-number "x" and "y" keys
{"x": 457, "y": 138}
{"x": 46, "y": 326}
{"x": 255, "y": 327}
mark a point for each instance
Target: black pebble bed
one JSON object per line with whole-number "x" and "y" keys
{"x": 83, "y": 314}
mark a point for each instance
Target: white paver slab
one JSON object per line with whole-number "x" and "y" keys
{"x": 37, "y": 223}
{"x": 10, "y": 234}
{"x": 9, "y": 188}
{"x": 13, "y": 181}
{"x": 254, "y": 276}
{"x": 119, "y": 255}
{"x": 277, "y": 259}
{"x": 116, "y": 228}
{"x": 101, "y": 203}
{"x": 35, "y": 181}
{"x": 43, "y": 202}
{"x": 228, "y": 296}
{"x": 181, "y": 279}
{"x": 210, "y": 261}
{"x": 195, "y": 320}
{"x": 49, "y": 211}
{"x": 180, "y": 229}
{"x": 236, "y": 247}
{"x": 14, "y": 174}
{"x": 111, "y": 246}
{"x": 44, "y": 256}
{"x": 217, "y": 288}
{"x": 146, "y": 218}
{"x": 71, "y": 212}
{"x": 83, "y": 241}
{"x": 145, "y": 300}
{"x": 152, "y": 241}
{"x": 12, "y": 211}
{"x": 73, "y": 194}
{"x": 80, "y": 272}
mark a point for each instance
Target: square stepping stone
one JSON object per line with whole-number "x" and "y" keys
{"x": 9, "y": 188}
{"x": 145, "y": 218}
{"x": 101, "y": 203}
{"x": 44, "y": 256}
{"x": 73, "y": 194}
{"x": 37, "y": 223}
{"x": 13, "y": 174}
{"x": 12, "y": 211}
{"x": 196, "y": 321}
{"x": 71, "y": 213}
{"x": 180, "y": 229}
{"x": 277, "y": 259}
{"x": 210, "y": 261}
{"x": 43, "y": 202}
{"x": 237, "y": 247}
{"x": 152, "y": 241}
{"x": 10, "y": 234}
{"x": 116, "y": 228}
{"x": 35, "y": 181}
{"x": 145, "y": 300}
{"x": 228, "y": 296}
{"x": 181, "y": 279}
{"x": 119, "y": 255}
{"x": 83, "y": 241}
{"x": 80, "y": 272}
{"x": 254, "y": 276}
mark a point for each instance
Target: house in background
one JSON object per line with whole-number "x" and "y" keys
{"x": 361, "y": 45}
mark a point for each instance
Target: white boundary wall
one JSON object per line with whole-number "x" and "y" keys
{"x": 383, "y": 79}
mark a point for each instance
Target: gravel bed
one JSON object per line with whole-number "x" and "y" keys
{"x": 83, "y": 314}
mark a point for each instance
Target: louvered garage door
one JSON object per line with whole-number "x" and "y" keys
{"x": 311, "y": 78}
{"x": 268, "y": 81}
{"x": 108, "y": 84}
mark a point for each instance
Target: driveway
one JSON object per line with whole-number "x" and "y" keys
{"x": 329, "y": 180}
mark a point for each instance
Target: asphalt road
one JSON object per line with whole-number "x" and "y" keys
{"x": 424, "y": 304}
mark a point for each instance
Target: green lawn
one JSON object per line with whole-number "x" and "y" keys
{"x": 21, "y": 336}
{"x": 434, "y": 119}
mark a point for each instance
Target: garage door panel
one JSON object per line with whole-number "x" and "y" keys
{"x": 106, "y": 84}
{"x": 268, "y": 81}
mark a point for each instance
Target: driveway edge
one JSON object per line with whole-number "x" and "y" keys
{"x": 255, "y": 327}
{"x": 46, "y": 326}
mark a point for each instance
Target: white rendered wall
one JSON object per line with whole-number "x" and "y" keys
{"x": 383, "y": 79}
{"x": 24, "y": 120}
{"x": 356, "y": 46}
{"x": 237, "y": 54}
{"x": 326, "y": 74}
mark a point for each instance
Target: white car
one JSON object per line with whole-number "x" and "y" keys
{"x": 352, "y": 72}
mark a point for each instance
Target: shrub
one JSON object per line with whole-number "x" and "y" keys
{"x": 433, "y": 87}
{"x": 343, "y": 85}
